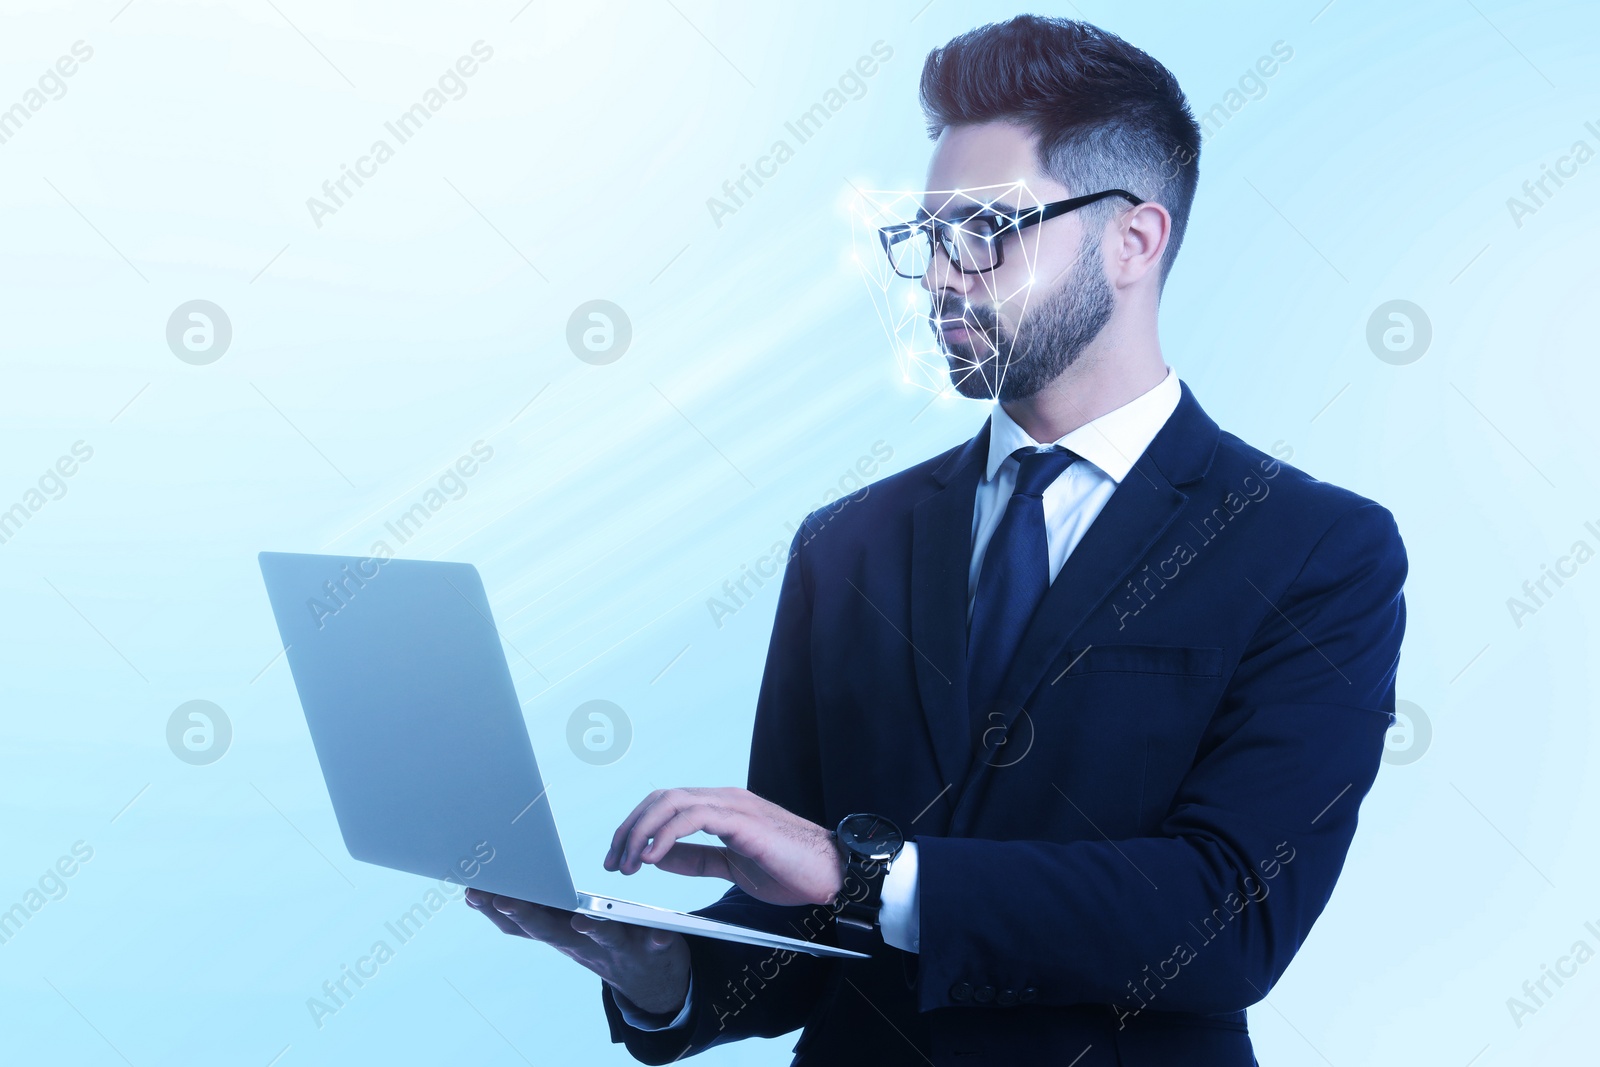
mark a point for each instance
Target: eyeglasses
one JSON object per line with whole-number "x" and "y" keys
{"x": 974, "y": 243}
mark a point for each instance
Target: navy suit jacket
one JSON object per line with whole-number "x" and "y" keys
{"x": 1196, "y": 712}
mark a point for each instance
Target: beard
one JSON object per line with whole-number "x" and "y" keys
{"x": 1054, "y": 334}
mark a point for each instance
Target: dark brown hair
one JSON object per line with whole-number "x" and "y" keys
{"x": 1106, "y": 115}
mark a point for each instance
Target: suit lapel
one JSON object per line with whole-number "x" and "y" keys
{"x": 941, "y": 556}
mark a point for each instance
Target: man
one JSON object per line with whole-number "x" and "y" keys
{"x": 1103, "y": 686}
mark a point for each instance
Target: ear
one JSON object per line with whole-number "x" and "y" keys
{"x": 1145, "y": 232}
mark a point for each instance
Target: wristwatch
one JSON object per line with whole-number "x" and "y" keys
{"x": 869, "y": 844}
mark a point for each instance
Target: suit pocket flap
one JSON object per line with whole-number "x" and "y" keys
{"x": 1143, "y": 659}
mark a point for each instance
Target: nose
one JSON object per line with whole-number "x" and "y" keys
{"x": 942, "y": 274}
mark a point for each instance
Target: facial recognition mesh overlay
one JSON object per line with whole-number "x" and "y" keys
{"x": 952, "y": 274}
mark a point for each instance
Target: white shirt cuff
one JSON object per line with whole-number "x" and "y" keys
{"x": 898, "y": 917}
{"x": 641, "y": 1020}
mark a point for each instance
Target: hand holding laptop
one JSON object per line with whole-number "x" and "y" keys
{"x": 649, "y": 967}
{"x": 770, "y": 853}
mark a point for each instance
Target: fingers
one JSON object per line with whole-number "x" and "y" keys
{"x": 591, "y": 941}
{"x": 617, "y": 936}
{"x": 648, "y": 822}
{"x": 654, "y": 809}
{"x": 550, "y": 925}
{"x": 697, "y": 861}
{"x": 659, "y": 939}
{"x": 603, "y": 932}
{"x": 678, "y": 814}
{"x": 482, "y": 903}
{"x": 713, "y": 819}
{"x": 614, "y": 853}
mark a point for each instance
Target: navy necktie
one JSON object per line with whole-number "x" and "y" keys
{"x": 1012, "y": 581}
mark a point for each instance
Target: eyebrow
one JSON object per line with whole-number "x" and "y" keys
{"x": 999, "y": 208}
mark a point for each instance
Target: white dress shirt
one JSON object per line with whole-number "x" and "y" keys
{"x": 1109, "y": 447}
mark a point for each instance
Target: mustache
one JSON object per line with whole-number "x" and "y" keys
{"x": 973, "y": 316}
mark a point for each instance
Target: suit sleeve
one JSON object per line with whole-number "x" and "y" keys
{"x": 1206, "y": 915}
{"x": 741, "y": 991}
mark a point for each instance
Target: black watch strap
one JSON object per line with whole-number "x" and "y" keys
{"x": 861, "y": 899}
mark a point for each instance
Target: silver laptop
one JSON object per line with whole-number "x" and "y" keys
{"x": 421, "y": 738}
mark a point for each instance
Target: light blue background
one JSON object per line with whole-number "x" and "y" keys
{"x": 370, "y": 353}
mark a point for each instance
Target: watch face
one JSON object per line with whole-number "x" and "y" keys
{"x": 871, "y": 836}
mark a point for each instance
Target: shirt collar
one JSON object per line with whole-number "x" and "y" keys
{"x": 1112, "y": 442}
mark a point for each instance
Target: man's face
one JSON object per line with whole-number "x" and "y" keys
{"x": 1009, "y": 332}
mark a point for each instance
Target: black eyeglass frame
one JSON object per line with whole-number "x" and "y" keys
{"x": 938, "y": 229}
